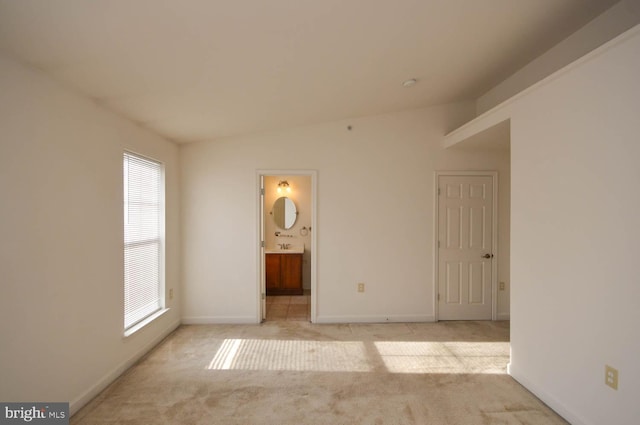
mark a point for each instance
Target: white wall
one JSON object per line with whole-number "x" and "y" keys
{"x": 61, "y": 247}
{"x": 301, "y": 196}
{"x": 608, "y": 25}
{"x": 375, "y": 214}
{"x": 575, "y": 202}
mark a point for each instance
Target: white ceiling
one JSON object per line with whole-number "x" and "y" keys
{"x": 195, "y": 70}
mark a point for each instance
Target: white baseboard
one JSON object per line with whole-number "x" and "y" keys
{"x": 220, "y": 320}
{"x": 375, "y": 319}
{"x": 503, "y": 316}
{"x": 107, "y": 379}
{"x": 548, "y": 399}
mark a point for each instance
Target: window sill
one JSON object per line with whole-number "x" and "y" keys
{"x": 145, "y": 322}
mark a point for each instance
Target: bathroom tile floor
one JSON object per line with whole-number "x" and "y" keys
{"x": 289, "y": 307}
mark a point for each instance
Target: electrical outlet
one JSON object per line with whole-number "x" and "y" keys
{"x": 502, "y": 286}
{"x": 360, "y": 287}
{"x": 170, "y": 293}
{"x": 611, "y": 377}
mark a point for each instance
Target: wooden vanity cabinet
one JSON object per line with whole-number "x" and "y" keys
{"x": 284, "y": 274}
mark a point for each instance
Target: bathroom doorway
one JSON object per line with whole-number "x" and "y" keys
{"x": 287, "y": 245}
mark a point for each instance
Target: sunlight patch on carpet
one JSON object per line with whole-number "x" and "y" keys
{"x": 444, "y": 357}
{"x": 260, "y": 354}
{"x": 419, "y": 357}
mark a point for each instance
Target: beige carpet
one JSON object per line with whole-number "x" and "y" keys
{"x": 291, "y": 372}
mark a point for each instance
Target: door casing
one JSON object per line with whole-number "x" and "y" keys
{"x": 436, "y": 232}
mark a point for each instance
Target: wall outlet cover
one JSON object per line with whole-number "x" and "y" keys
{"x": 611, "y": 377}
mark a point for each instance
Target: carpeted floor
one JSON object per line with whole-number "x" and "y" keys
{"x": 294, "y": 372}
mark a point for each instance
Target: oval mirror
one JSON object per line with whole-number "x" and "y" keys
{"x": 284, "y": 213}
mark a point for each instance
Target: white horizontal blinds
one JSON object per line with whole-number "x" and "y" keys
{"x": 142, "y": 238}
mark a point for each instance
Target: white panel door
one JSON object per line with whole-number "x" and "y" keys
{"x": 465, "y": 218}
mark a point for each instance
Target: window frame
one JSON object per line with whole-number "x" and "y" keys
{"x": 131, "y": 328}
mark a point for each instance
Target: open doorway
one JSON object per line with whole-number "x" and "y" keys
{"x": 287, "y": 245}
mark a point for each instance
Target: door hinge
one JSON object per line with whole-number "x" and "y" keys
{"x": 438, "y": 297}
{"x": 438, "y": 191}
{"x": 261, "y": 244}
{"x": 262, "y": 191}
{"x": 264, "y": 296}
{"x": 438, "y": 244}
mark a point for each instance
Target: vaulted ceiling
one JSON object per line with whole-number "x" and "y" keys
{"x": 195, "y": 70}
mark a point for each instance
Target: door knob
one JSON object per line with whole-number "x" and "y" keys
{"x": 487, "y": 256}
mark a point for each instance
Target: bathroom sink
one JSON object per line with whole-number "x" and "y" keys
{"x": 292, "y": 249}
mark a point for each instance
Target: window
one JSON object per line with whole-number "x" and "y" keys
{"x": 143, "y": 238}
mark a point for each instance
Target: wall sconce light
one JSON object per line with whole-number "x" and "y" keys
{"x": 283, "y": 186}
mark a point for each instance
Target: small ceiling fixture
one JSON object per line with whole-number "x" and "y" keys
{"x": 409, "y": 83}
{"x": 283, "y": 185}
